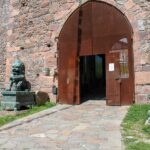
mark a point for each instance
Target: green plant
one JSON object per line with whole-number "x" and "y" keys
{"x": 135, "y": 132}
{"x": 8, "y": 118}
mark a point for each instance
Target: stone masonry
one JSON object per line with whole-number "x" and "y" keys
{"x": 29, "y": 31}
{"x": 3, "y": 40}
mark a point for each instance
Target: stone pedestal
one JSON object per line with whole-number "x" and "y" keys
{"x": 14, "y": 100}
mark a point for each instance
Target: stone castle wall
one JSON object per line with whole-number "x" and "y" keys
{"x": 29, "y": 31}
{"x": 3, "y": 40}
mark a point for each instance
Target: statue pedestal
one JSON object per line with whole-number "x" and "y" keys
{"x": 14, "y": 100}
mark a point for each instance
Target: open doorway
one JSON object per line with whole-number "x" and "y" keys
{"x": 92, "y": 78}
{"x": 87, "y": 32}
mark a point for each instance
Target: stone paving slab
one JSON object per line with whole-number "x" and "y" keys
{"x": 34, "y": 116}
{"x": 90, "y": 126}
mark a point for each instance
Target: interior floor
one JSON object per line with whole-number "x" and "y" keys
{"x": 92, "y": 78}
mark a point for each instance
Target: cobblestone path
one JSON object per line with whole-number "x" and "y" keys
{"x": 90, "y": 126}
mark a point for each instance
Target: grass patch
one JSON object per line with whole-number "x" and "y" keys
{"x": 139, "y": 146}
{"x": 8, "y": 118}
{"x": 136, "y": 134}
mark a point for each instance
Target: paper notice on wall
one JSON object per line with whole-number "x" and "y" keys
{"x": 111, "y": 67}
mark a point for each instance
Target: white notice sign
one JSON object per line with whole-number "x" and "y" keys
{"x": 111, "y": 67}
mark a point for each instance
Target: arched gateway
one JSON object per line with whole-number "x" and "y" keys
{"x": 96, "y": 56}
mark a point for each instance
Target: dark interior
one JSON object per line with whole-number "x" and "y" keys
{"x": 92, "y": 78}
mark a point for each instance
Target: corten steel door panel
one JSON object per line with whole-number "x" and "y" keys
{"x": 86, "y": 30}
{"x": 127, "y": 82}
{"x": 113, "y": 81}
{"x": 108, "y": 25}
{"x": 68, "y": 41}
{"x": 95, "y": 28}
{"x": 127, "y": 86}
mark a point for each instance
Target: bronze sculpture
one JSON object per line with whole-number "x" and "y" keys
{"x": 18, "y": 81}
{"x": 18, "y": 94}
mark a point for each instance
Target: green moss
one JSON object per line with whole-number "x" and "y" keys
{"x": 8, "y": 118}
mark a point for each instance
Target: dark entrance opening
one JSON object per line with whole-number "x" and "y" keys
{"x": 92, "y": 78}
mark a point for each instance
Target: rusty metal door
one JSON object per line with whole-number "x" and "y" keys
{"x": 75, "y": 40}
{"x": 113, "y": 82}
{"x": 67, "y": 62}
{"x": 96, "y": 28}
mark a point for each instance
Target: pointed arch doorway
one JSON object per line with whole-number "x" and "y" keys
{"x": 96, "y": 29}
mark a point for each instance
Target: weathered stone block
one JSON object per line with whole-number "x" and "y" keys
{"x": 142, "y": 77}
{"x": 45, "y": 3}
{"x": 141, "y": 98}
{"x": 41, "y": 97}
